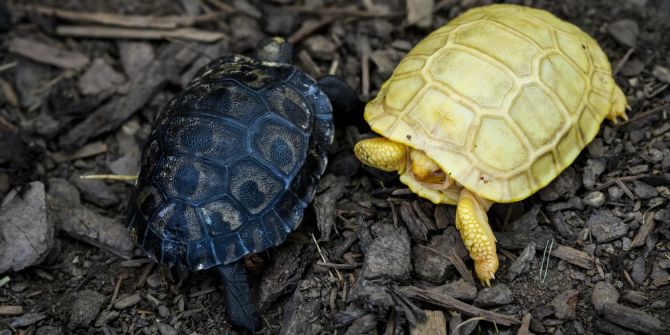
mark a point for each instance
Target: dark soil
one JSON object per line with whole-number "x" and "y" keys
{"x": 369, "y": 257}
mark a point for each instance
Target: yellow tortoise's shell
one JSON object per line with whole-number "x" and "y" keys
{"x": 503, "y": 98}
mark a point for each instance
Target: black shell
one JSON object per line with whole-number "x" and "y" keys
{"x": 231, "y": 163}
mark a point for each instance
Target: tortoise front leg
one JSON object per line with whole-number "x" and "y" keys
{"x": 240, "y": 311}
{"x": 473, "y": 224}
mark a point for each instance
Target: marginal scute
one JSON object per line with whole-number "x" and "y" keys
{"x": 442, "y": 118}
{"x": 537, "y": 115}
{"x": 544, "y": 169}
{"x": 519, "y": 183}
{"x": 401, "y": 91}
{"x": 563, "y": 79}
{"x": 574, "y": 49}
{"x": 407, "y": 65}
{"x": 472, "y": 77}
{"x": 588, "y": 125}
{"x": 429, "y": 45}
{"x": 222, "y": 217}
{"x": 568, "y": 147}
{"x": 490, "y": 39}
{"x": 537, "y": 32}
{"x": 287, "y": 103}
{"x": 599, "y": 103}
{"x": 498, "y": 146}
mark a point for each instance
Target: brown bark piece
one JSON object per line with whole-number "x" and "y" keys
{"x": 435, "y": 324}
{"x": 47, "y": 54}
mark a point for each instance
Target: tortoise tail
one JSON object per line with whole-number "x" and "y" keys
{"x": 240, "y": 311}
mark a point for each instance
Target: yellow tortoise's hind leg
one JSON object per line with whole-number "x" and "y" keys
{"x": 619, "y": 106}
{"x": 473, "y": 224}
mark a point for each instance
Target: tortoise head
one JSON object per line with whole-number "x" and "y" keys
{"x": 274, "y": 49}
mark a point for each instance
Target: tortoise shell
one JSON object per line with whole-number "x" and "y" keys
{"x": 231, "y": 163}
{"x": 503, "y": 98}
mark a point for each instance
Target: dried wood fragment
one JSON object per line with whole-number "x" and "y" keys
{"x": 573, "y": 256}
{"x": 89, "y": 150}
{"x": 130, "y": 21}
{"x": 168, "y": 63}
{"x": 420, "y": 12}
{"x": 647, "y": 227}
{"x": 445, "y": 301}
{"x": 11, "y": 310}
{"x": 308, "y": 28}
{"x": 525, "y": 324}
{"x": 633, "y": 319}
{"x": 413, "y": 223}
{"x": 145, "y": 34}
{"x": 47, "y": 54}
{"x": 435, "y": 324}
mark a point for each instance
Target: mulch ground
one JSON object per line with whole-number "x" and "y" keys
{"x": 589, "y": 254}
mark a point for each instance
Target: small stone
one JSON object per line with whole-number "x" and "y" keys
{"x": 644, "y": 190}
{"x": 564, "y": 186}
{"x": 635, "y": 297}
{"x": 26, "y": 320}
{"x": 95, "y": 191}
{"x": 321, "y": 47}
{"x": 99, "y": 77}
{"x": 26, "y": 235}
{"x": 166, "y": 329}
{"x": 279, "y": 21}
{"x": 459, "y": 289}
{"x": 624, "y": 31}
{"x": 154, "y": 280}
{"x": 163, "y": 311}
{"x": 128, "y": 301}
{"x": 606, "y": 227}
{"x": 522, "y": 263}
{"x": 592, "y": 171}
{"x": 135, "y": 56}
{"x": 105, "y": 317}
{"x": 564, "y": 304}
{"x": 661, "y": 73}
{"x": 496, "y": 295}
{"x": 632, "y": 68}
{"x": 594, "y": 199}
{"x": 614, "y": 193}
{"x": 85, "y": 308}
{"x": 626, "y": 243}
{"x": 388, "y": 256}
{"x": 603, "y": 293}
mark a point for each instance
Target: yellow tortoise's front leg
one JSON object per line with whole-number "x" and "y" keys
{"x": 619, "y": 106}
{"x": 473, "y": 224}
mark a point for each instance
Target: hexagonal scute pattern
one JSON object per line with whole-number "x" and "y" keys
{"x": 442, "y": 118}
{"x": 286, "y": 102}
{"x": 190, "y": 179}
{"x": 203, "y": 135}
{"x": 253, "y": 185}
{"x": 533, "y": 84}
{"x": 537, "y": 115}
{"x": 497, "y": 145}
{"x": 474, "y": 78}
{"x": 280, "y": 145}
{"x": 224, "y": 99}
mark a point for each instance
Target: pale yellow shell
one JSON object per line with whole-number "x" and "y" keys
{"x": 503, "y": 98}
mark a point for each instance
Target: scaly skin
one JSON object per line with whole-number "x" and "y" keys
{"x": 619, "y": 106}
{"x": 473, "y": 224}
{"x": 382, "y": 154}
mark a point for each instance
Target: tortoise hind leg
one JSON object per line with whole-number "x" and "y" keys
{"x": 240, "y": 311}
{"x": 473, "y": 224}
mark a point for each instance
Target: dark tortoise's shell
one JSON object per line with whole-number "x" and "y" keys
{"x": 231, "y": 163}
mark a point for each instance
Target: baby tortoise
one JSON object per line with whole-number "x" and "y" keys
{"x": 490, "y": 108}
{"x": 231, "y": 164}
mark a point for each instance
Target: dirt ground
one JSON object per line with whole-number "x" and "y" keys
{"x": 590, "y": 254}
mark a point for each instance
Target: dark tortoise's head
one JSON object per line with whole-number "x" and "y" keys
{"x": 274, "y": 49}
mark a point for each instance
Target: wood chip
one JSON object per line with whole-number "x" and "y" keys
{"x": 168, "y": 63}
{"x": 572, "y": 256}
{"x": 145, "y": 34}
{"x": 130, "y": 21}
{"x": 435, "y": 324}
{"x": 11, "y": 310}
{"x": 647, "y": 227}
{"x": 420, "y": 12}
{"x": 89, "y": 150}
{"x": 525, "y": 324}
{"x": 47, "y": 54}
{"x": 445, "y": 301}
{"x": 633, "y": 319}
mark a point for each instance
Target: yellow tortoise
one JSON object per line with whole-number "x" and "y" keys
{"x": 490, "y": 108}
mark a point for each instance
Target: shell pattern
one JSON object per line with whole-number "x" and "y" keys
{"x": 231, "y": 163}
{"x": 503, "y": 98}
